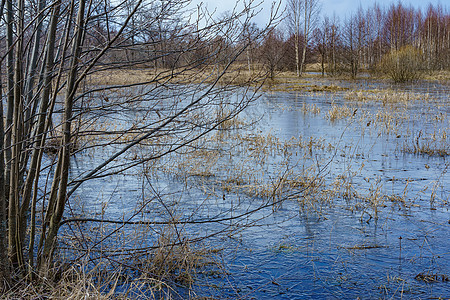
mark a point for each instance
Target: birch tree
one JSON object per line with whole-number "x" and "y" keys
{"x": 294, "y": 18}
{"x": 302, "y": 16}
{"x": 311, "y": 14}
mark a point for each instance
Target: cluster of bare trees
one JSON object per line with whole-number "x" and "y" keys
{"x": 360, "y": 41}
{"x": 302, "y": 16}
{"x": 49, "y": 51}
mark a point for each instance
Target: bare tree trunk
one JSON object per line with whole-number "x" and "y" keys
{"x": 10, "y": 88}
{"x": 249, "y": 62}
{"x": 322, "y": 63}
{"x": 305, "y": 35}
{"x": 297, "y": 55}
{"x": 311, "y": 10}
{"x": 31, "y": 72}
{"x": 302, "y": 64}
{"x": 294, "y": 9}
{"x": 64, "y": 154}
{"x": 333, "y": 51}
{"x": 15, "y": 246}
{"x": 40, "y": 128}
{"x": 4, "y": 261}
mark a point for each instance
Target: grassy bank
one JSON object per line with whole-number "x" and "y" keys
{"x": 241, "y": 76}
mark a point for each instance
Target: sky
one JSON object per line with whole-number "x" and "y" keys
{"x": 342, "y": 8}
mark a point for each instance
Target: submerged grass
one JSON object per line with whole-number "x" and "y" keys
{"x": 338, "y": 112}
{"x": 295, "y": 176}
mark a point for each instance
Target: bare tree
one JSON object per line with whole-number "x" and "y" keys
{"x": 294, "y": 18}
{"x": 332, "y": 33}
{"x": 399, "y": 26}
{"x": 311, "y": 12}
{"x": 249, "y": 38}
{"x": 320, "y": 42}
{"x": 4, "y": 262}
{"x": 302, "y": 16}
{"x": 355, "y": 41}
{"x": 61, "y": 62}
{"x": 272, "y": 52}
{"x": 433, "y": 36}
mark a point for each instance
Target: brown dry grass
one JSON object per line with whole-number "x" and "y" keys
{"x": 152, "y": 276}
{"x": 236, "y": 75}
{"x": 442, "y": 75}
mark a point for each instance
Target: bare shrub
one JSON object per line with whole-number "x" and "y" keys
{"x": 402, "y": 65}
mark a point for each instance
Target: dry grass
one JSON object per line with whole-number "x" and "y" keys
{"x": 316, "y": 67}
{"x": 123, "y": 76}
{"x": 338, "y": 112}
{"x": 296, "y": 84}
{"x": 158, "y": 274}
{"x": 287, "y": 180}
{"x": 310, "y": 108}
{"x": 435, "y": 144}
{"x": 246, "y": 176}
{"x": 388, "y": 121}
{"x": 443, "y": 75}
{"x": 386, "y": 96}
{"x": 175, "y": 262}
{"x": 72, "y": 283}
{"x": 365, "y": 247}
{"x": 236, "y": 75}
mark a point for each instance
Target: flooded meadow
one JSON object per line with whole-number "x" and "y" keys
{"x": 338, "y": 189}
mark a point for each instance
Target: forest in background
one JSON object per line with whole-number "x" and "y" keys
{"x": 366, "y": 41}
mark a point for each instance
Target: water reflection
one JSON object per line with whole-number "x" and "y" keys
{"x": 339, "y": 248}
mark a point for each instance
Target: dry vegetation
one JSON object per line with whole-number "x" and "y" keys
{"x": 240, "y": 76}
{"x": 236, "y": 75}
{"x": 294, "y": 176}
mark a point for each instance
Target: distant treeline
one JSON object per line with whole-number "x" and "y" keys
{"x": 360, "y": 42}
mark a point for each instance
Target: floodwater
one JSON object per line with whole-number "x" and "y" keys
{"x": 359, "y": 178}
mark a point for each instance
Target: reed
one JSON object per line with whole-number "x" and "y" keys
{"x": 434, "y": 144}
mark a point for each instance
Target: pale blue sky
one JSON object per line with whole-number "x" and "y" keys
{"x": 342, "y": 7}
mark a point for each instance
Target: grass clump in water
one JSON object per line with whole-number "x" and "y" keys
{"x": 435, "y": 145}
